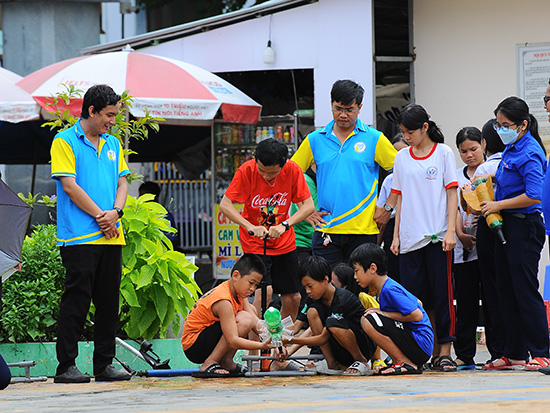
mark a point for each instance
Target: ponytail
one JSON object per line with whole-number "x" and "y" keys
{"x": 435, "y": 133}
{"x": 414, "y": 116}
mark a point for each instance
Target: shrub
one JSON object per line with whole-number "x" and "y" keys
{"x": 157, "y": 282}
{"x": 31, "y": 297}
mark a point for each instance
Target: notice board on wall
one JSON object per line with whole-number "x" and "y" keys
{"x": 533, "y": 75}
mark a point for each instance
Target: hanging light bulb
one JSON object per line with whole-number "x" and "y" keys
{"x": 269, "y": 54}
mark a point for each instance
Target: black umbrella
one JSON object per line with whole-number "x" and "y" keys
{"x": 14, "y": 219}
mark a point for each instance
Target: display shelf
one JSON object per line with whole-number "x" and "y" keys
{"x": 232, "y": 145}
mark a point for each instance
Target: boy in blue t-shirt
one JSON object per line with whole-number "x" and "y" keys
{"x": 400, "y": 326}
{"x": 334, "y": 316}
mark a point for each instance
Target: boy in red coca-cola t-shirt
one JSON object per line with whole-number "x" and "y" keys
{"x": 267, "y": 185}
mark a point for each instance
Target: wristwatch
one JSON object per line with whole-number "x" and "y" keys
{"x": 388, "y": 207}
{"x": 286, "y": 225}
{"x": 119, "y": 211}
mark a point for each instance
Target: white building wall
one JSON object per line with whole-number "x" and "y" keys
{"x": 334, "y": 37}
{"x": 466, "y": 59}
{"x": 466, "y": 56}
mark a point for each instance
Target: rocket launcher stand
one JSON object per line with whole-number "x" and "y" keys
{"x": 265, "y": 357}
{"x": 250, "y": 359}
{"x": 27, "y": 378}
{"x": 276, "y": 330}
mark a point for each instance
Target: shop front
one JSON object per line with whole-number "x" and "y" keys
{"x": 313, "y": 44}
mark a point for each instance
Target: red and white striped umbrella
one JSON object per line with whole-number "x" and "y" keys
{"x": 16, "y": 105}
{"x": 179, "y": 92}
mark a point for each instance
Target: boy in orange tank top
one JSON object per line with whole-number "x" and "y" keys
{"x": 220, "y": 321}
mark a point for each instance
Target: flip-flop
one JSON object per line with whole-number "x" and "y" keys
{"x": 210, "y": 372}
{"x": 536, "y": 363}
{"x": 321, "y": 367}
{"x": 544, "y": 370}
{"x": 398, "y": 370}
{"x": 508, "y": 365}
{"x": 361, "y": 369}
{"x": 239, "y": 371}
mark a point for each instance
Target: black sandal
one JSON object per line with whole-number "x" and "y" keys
{"x": 239, "y": 371}
{"x": 446, "y": 364}
{"x": 434, "y": 363}
{"x": 398, "y": 370}
{"x": 210, "y": 372}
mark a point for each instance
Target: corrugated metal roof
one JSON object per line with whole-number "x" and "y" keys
{"x": 198, "y": 26}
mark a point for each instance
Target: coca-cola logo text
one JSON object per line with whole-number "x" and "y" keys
{"x": 279, "y": 199}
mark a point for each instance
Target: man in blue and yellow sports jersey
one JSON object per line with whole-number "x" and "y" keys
{"x": 348, "y": 155}
{"x": 90, "y": 173}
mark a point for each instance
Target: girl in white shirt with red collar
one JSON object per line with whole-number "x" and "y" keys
{"x": 424, "y": 237}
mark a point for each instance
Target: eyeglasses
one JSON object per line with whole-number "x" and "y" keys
{"x": 496, "y": 126}
{"x": 340, "y": 109}
{"x": 546, "y": 99}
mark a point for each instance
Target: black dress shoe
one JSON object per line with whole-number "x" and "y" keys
{"x": 112, "y": 374}
{"x": 72, "y": 375}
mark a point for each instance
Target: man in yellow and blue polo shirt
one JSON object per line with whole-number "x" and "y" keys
{"x": 348, "y": 155}
{"x": 90, "y": 173}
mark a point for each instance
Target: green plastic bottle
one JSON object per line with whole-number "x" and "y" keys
{"x": 272, "y": 318}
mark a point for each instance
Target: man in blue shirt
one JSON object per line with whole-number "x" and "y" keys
{"x": 348, "y": 155}
{"x": 90, "y": 173}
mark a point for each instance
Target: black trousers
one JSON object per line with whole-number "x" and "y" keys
{"x": 495, "y": 336}
{"x": 336, "y": 248}
{"x": 427, "y": 274}
{"x": 467, "y": 294}
{"x": 393, "y": 260}
{"x": 521, "y": 304}
{"x": 93, "y": 272}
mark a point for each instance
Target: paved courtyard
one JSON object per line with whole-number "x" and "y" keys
{"x": 430, "y": 392}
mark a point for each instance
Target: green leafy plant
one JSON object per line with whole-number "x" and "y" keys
{"x": 31, "y": 297}
{"x": 157, "y": 282}
{"x": 62, "y": 118}
{"x": 30, "y": 199}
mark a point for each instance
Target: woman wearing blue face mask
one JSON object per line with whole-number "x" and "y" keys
{"x": 518, "y": 194}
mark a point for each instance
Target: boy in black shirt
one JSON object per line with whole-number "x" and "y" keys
{"x": 334, "y": 316}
